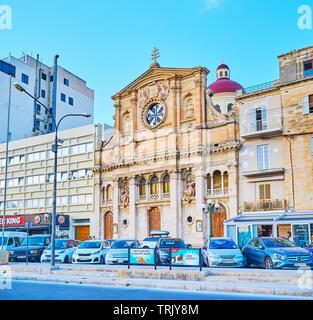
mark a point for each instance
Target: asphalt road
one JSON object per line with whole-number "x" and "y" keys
{"x": 26, "y": 290}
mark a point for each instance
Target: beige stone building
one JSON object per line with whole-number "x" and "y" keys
{"x": 170, "y": 152}
{"x": 276, "y": 155}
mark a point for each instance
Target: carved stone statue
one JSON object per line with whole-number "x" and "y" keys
{"x": 190, "y": 191}
{"x": 125, "y": 198}
{"x": 158, "y": 90}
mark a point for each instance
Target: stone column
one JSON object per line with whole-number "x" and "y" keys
{"x": 200, "y": 199}
{"x": 132, "y": 208}
{"x": 176, "y": 210}
{"x": 233, "y": 191}
{"x": 116, "y": 202}
{"x": 98, "y": 221}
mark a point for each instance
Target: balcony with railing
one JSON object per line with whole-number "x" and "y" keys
{"x": 154, "y": 197}
{"x": 264, "y": 205}
{"x": 265, "y": 124}
{"x": 217, "y": 193}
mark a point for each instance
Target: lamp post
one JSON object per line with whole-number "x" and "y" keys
{"x": 55, "y": 148}
{"x": 210, "y": 209}
{"x": 6, "y": 162}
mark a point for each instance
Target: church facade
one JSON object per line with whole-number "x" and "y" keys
{"x": 169, "y": 153}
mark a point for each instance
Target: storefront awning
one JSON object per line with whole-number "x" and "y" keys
{"x": 271, "y": 217}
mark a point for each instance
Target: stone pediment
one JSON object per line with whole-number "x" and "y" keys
{"x": 157, "y": 74}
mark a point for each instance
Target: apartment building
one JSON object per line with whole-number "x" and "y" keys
{"x": 276, "y": 156}
{"x": 29, "y": 118}
{"x": 30, "y": 182}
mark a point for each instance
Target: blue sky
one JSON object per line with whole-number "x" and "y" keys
{"x": 109, "y": 43}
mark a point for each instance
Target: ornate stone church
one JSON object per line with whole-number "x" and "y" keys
{"x": 171, "y": 151}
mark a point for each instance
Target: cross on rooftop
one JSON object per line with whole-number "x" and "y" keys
{"x": 155, "y": 55}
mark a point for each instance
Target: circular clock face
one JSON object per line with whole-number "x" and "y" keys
{"x": 155, "y": 115}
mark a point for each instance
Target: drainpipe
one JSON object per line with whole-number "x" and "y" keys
{"x": 55, "y": 76}
{"x": 35, "y": 93}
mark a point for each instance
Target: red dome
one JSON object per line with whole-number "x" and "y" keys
{"x": 223, "y": 66}
{"x": 225, "y": 85}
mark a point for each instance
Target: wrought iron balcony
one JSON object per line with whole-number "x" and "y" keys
{"x": 217, "y": 193}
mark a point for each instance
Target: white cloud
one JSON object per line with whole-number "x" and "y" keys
{"x": 211, "y": 4}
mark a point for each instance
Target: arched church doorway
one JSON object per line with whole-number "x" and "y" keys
{"x": 154, "y": 219}
{"x": 108, "y": 226}
{"x": 218, "y": 222}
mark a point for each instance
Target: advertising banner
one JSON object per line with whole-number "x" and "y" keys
{"x": 12, "y": 221}
{"x": 185, "y": 257}
{"x": 142, "y": 256}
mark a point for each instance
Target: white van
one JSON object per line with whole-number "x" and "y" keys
{"x": 12, "y": 240}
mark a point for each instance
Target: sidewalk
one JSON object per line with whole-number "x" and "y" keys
{"x": 249, "y": 281}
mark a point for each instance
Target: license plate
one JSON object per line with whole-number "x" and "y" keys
{"x": 120, "y": 261}
{"x": 21, "y": 257}
{"x": 228, "y": 261}
{"x": 300, "y": 264}
{"x": 84, "y": 258}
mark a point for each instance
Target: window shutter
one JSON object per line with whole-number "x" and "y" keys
{"x": 260, "y": 158}
{"x": 253, "y": 120}
{"x": 306, "y": 105}
{"x": 261, "y": 192}
{"x": 266, "y": 157}
{"x": 264, "y": 118}
{"x": 267, "y": 192}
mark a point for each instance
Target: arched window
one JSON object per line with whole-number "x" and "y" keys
{"x": 217, "y": 180}
{"x": 109, "y": 193}
{"x": 142, "y": 187}
{"x": 230, "y": 107}
{"x": 155, "y": 185}
{"x": 225, "y": 178}
{"x": 226, "y": 73}
{"x": 218, "y": 108}
{"x": 166, "y": 184}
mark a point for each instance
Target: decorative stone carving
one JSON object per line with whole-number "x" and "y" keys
{"x": 125, "y": 198}
{"x": 190, "y": 191}
{"x": 189, "y": 107}
{"x": 158, "y": 90}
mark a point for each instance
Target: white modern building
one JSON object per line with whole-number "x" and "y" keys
{"x": 30, "y": 182}
{"x": 29, "y": 118}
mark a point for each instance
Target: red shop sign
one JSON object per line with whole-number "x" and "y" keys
{"x": 12, "y": 221}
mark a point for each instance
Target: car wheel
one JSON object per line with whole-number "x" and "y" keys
{"x": 268, "y": 263}
{"x": 66, "y": 260}
{"x": 102, "y": 260}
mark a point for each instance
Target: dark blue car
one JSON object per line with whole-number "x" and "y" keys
{"x": 276, "y": 253}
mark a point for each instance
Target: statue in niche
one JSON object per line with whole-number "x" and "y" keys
{"x": 125, "y": 197}
{"x": 190, "y": 191}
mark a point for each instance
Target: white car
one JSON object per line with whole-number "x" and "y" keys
{"x": 91, "y": 252}
{"x": 64, "y": 250}
{"x": 151, "y": 242}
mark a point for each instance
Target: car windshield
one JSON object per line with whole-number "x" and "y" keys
{"x": 223, "y": 244}
{"x": 90, "y": 245}
{"x": 4, "y": 242}
{"x": 175, "y": 243}
{"x": 123, "y": 244}
{"x": 59, "y": 244}
{"x": 36, "y": 241}
{"x": 278, "y": 243}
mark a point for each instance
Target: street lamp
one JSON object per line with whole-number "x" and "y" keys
{"x": 55, "y": 147}
{"x": 6, "y": 162}
{"x": 210, "y": 208}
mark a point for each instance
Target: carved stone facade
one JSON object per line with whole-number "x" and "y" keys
{"x": 163, "y": 147}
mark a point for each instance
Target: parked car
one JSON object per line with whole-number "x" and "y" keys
{"x": 151, "y": 242}
{"x": 36, "y": 245}
{"x": 164, "y": 246}
{"x": 222, "y": 252}
{"x": 118, "y": 254}
{"x": 12, "y": 240}
{"x": 64, "y": 250}
{"x": 92, "y": 251}
{"x": 275, "y": 253}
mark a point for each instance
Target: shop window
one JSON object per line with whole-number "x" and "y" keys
{"x": 301, "y": 235}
